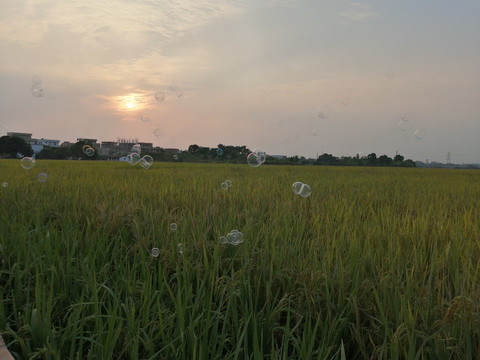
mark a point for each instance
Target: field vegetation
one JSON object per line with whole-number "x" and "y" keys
{"x": 377, "y": 263}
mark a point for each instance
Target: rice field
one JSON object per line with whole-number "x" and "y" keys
{"x": 377, "y": 263}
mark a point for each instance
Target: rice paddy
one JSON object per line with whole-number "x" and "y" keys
{"x": 377, "y": 263}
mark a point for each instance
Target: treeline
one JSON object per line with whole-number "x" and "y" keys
{"x": 12, "y": 146}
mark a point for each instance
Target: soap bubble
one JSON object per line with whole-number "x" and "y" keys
{"x": 219, "y": 151}
{"x": 235, "y": 237}
{"x": 133, "y": 158}
{"x": 42, "y": 177}
{"x": 27, "y": 163}
{"x": 256, "y": 158}
{"x": 158, "y": 133}
{"x": 180, "y": 248}
{"x": 175, "y": 157}
{"x": 224, "y": 186}
{"x": 4, "y": 184}
{"x": 253, "y": 160}
{"x": 145, "y": 118}
{"x": 404, "y": 124}
{"x": 136, "y": 149}
{"x": 173, "y": 227}
{"x": 390, "y": 75}
{"x": 228, "y": 182}
{"x": 296, "y": 187}
{"x": 88, "y": 150}
{"x": 155, "y": 252}
{"x": 160, "y": 96}
{"x": 301, "y": 189}
{"x": 37, "y": 90}
{"x": 419, "y": 134}
{"x": 179, "y": 93}
{"x": 324, "y": 112}
{"x": 146, "y": 162}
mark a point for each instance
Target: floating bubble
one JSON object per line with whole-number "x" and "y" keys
{"x": 133, "y": 158}
{"x": 260, "y": 155}
{"x": 346, "y": 101}
{"x": 296, "y": 187}
{"x": 155, "y": 252}
{"x": 235, "y": 237}
{"x": 173, "y": 88}
{"x": 219, "y": 151}
{"x": 253, "y": 160}
{"x": 145, "y": 118}
{"x": 36, "y": 79}
{"x": 305, "y": 191}
{"x": 90, "y": 151}
{"x": 324, "y": 112}
{"x": 228, "y": 182}
{"x": 158, "y": 133}
{"x": 146, "y": 162}
{"x": 180, "y": 248}
{"x": 173, "y": 227}
{"x": 224, "y": 186}
{"x": 179, "y": 93}
{"x": 318, "y": 132}
{"x": 27, "y": 163}
{"x": 267, "y": 91}
{"x": 390, "y": 75}
{"x": 37, "y": 90}
{"x": 175, "y": 157}
{"x": 4, "y": 185}
{"x": 42, "y": 177}
{"x": 159, "y": 96}
{"x": 419, "y": 134}
{"x": 301, "y": 189}
{"x": 136, "y": 149}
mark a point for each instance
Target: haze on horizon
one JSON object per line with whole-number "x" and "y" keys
{"x": 290, "y": 77}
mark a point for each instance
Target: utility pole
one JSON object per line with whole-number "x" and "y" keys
{"x": 448, "y": 158}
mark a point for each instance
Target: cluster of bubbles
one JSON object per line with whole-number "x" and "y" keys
{"x": 27, "y": 163}
{"x": 226, "y": 184}
{"x": 404, "y": 124}
{"x": 88, "y": 150}
{"x": 180, "y": 248}
{"x": 323, "y": 112}
{"x": 173, "y": 227}
{"x": 134, "y": 157}
{"x": 301, "y": 189}
{"x": 161, "y": 95}
{"x": 37, "y": 87}
{"x": 234, "y": 237}
{"x": 256, "y": 158}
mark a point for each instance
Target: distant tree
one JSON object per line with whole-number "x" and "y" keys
{"x": 398, "y": 158}
{"x": 326, "y": 159}
{"x": 384, "y": 160}
{"x": 193, "y": 149}
{"x": 372, "y": 158}
{"x": 10, "y": 146}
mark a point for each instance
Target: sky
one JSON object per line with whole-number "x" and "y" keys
{"x": 289, "y": 77}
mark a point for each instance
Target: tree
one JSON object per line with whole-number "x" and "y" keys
{"x": 398, "y": 158}
{"x": 10, "y": 146}
{"x": 372, "y": 158}
{"x": 384, "y": 160}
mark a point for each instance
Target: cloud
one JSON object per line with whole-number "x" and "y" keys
{"x": 358, "y": 12}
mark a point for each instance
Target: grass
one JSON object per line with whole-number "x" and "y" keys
{"x": 377, "y": 263}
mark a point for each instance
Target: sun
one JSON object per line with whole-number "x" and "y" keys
{"x": 130, "y": 105}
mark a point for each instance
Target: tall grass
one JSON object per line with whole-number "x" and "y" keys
{"x": 375, "y": 264}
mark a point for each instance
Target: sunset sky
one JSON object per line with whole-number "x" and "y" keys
{"x": 286, "y": 76}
